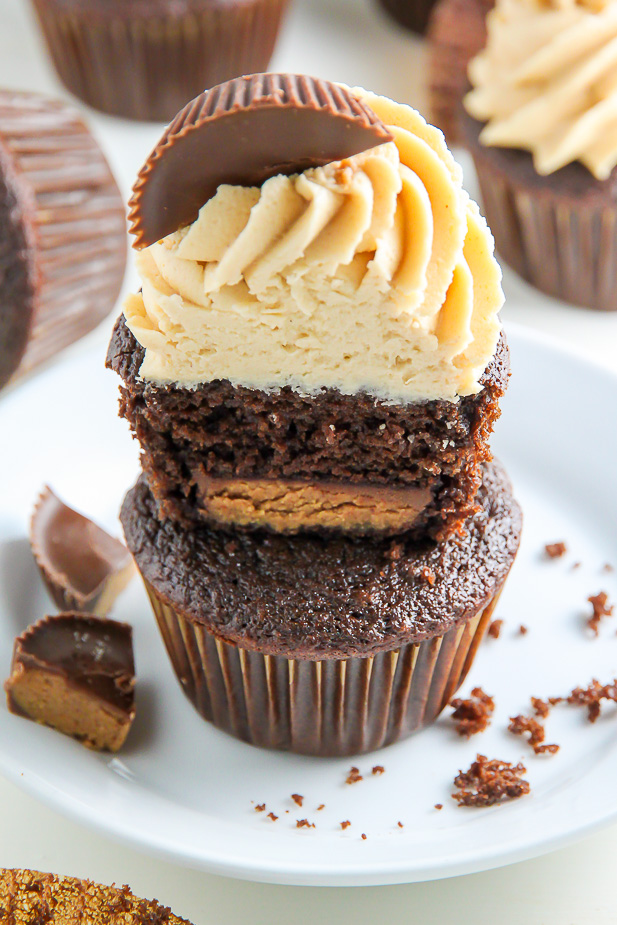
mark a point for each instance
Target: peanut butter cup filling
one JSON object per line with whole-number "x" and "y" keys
{"x": 290, "y": 506}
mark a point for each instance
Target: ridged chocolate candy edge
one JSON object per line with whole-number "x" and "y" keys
{"x": 352, "y": 125}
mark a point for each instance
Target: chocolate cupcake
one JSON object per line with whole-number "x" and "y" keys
{"x": 456, "y": 33}
{"x": 28, "y": 897}
{"x": 62, "y": 231}
{"x": 540, "y": 124}
{"x": 412, "y": 14}
{"x": 253, "y": 407}
{"x": 323, "y": 646}
{"x": 313, "y": 368}
{"x": 142, "y": 59}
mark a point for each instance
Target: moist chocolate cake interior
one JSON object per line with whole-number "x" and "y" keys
{"x": 221, "y": 431}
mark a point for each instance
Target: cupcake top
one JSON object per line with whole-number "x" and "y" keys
{"x": 307, "y": 596}
{"x": 374, "y": 273}
{"x": 546, "y": 82}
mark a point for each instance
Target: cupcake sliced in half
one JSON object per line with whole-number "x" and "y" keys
{"x": 322, "y": 350}
{"x": 541, "y": 124}
{"x": 313, "y": 369}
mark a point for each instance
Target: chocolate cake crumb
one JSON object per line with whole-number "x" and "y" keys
{"x": 272, "y": 816}
{"x": 555, "y": 550}
{"x": 489, "y": 782}
{"x": 438, "y": 805}
{"x": 354, "y": 776}
{"x": 523, "y": 630}
{"x": 345, "y": 824}
{"x": 363, "y": 837}
{"x": 379, "y": 769}
{"x": 472, "y": 715}
{"x": 260, "y": 808}
{"x": 494, "y": 629}
{"x": 400, "y": 825}
{"x": 601, "y": 608}
{"x": 520, "y": 725}
{"x": 592, "y": 696}
{"x": 541, "y": 707}
{"x": 297, "y": 798}
{"x": 428, "y": 575}
{"x": 304, "y": 824}
{"x": 321, "y": 806}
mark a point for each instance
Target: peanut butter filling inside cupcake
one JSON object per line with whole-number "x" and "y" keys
{"x": 290, "y": 506}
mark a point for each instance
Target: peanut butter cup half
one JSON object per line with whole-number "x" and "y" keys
{"x": 83, "y": 567}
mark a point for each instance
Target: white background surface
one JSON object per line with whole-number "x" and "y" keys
{"x": 345, "y": 40}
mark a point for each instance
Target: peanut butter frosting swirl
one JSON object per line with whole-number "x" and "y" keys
{"x": 546, "y": 82}
{"x": 372, "y": 274}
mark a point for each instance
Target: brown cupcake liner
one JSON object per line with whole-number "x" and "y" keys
{"x": 145, "y": 61}
{"x": 564, "y": 247}
{"x": 329, "y": 707}
{"x": 75, "y": 219}
{"x": 412, "y": 14}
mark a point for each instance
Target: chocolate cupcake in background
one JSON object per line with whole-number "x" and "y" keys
{"x": 62, "y": 231}
{"x": 456, "y": 33}
{"x": 541, "y": 125}
{"x": 142, "y": 59}
{"x": 313, "y": 388}
{"x": 412, "y": 14}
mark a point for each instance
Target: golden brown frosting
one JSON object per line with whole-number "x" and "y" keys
{"x": 546, "y": 82}
{"x": 371, "y": 274}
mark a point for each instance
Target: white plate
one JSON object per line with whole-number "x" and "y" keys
{"x": 185, "y": 791}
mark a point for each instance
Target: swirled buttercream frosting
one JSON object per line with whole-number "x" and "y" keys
{"x": 546, "y": 82}
{"x": 372, "y": 274}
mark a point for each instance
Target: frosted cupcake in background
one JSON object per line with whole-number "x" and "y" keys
{"x": 541, "y": 124}
{"x": 313, "y": 368}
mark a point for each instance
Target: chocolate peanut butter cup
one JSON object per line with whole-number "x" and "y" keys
{"x": 83, "y": 567}
{"x": 75, "y": 673}
{"x": 244, "y": 132}
{"x": 62, "y": 231}
{"x": 143, "y": 59}
{"x": 323, "y": 646}
{"x": 28, "y": 897}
